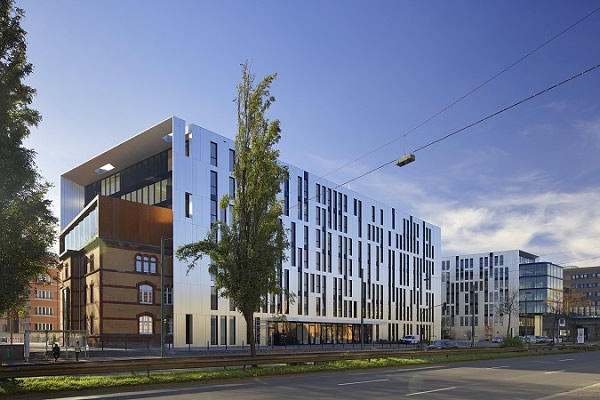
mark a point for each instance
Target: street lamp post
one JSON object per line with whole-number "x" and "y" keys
{"x": 362, "y": 310}
{"x": 472, "y": 315}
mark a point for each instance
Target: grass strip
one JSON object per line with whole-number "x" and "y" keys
{"x": 72, "y": 383}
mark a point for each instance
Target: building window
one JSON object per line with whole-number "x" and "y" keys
{"x": 188, "y": 205}
{"x": 213, "y": 153}
{"x": 145, "y": 264}
{"x": 214, "y": 298}
{"x": 92, "y": 324}
{"x": 231, "y": 330}
{"x": 44, "y": 311}
{"x": 189, "y": 326}
{"x": 145, "y": 325}
{"x": 92, "y": 292}
{"x": 44, "y": 294}
{"x": 231, "y": 188}
{"x": 213, "y": 330}
{"x": 223, "y": 329}
{"x": 145, "y": 294}
{"x": 213, "y": 197}
{"x": 231, "y": 159}
{"x": 168, "y": 299}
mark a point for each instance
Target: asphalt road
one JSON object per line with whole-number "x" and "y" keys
{"x": 553, "y": 377}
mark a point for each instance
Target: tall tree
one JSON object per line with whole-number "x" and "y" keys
{"x": 563, "y": 304}
{"x": 509, "y": 305}
{"x": 27, "y": 226}
{"x": 244, "y": 254}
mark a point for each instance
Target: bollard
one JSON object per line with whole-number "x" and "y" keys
{"x": 243, "y": 347}
{"x": 102, "y": 343}
{"x": 207, "y": 345}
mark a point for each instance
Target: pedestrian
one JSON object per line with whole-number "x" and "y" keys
{"x": 77, "y": 350}
{"x": 56, "y": 352}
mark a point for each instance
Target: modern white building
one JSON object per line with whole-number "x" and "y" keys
{"x": 352, "y": 259}
{"x": 474, "y": 289}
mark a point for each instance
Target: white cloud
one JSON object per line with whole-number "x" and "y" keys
{"x": 563, "y": 225}
{"x": 516, "y": 214}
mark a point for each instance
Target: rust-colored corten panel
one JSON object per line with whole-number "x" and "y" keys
{"x": 133, "y": 222}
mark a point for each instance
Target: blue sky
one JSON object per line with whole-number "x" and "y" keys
{"x": 352, "y": 76}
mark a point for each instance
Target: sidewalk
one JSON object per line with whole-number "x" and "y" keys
{"x": 107, "y": 354}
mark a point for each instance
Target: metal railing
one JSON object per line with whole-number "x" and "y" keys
{"x": 179, "y": 363}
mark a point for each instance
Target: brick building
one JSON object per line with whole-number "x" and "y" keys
{"x": 111, "y": 285}
{"x": 42, "y": 306}
{"x": 44, "y": 302}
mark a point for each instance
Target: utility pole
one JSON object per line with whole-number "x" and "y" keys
{"x": 472, "y": 315}
{"x": 362, "y": 310}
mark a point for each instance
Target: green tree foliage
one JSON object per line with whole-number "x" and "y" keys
{"x": 26, "y": 222}
{"x": 245, "y": 254}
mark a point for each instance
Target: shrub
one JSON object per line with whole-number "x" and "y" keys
{"x": 508, "y": 341}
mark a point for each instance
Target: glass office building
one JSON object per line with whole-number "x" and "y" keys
{"x": 540, "y": 292}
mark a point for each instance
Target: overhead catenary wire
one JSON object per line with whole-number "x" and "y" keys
{"x": 472, "y": 124}
{"x": 469, "y": 93}
{"x": 584, "y": 259}
{"x": 479, "y": 121}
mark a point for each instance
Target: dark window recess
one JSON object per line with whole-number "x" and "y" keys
{"x": 188, "y": 205}
{"x": 286, "y": 197}
{"x": 213, "y": 197}
{"x": 300, "y": 198}
{"x": 213, "y": 154}
{"x": 231, "y": 188}
{"x": 148, "y": 171}
{"x": 189, "y": 326}
{"x": 293, "y": 245}
{"x": 214, "y": 298}
{"x": 231, "y": 159}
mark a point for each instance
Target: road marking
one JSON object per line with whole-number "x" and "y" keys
{"x": 419, "y": 369}
{"x": 566, "y": 359}
{"x": 554, "y": 372}
{"x": 500, "y": 366}
{"x": 359, "y": 382}
{"x": 561, "y": 395}
{"x": 430, "y": 391}
{"x": 147, "y": 392}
